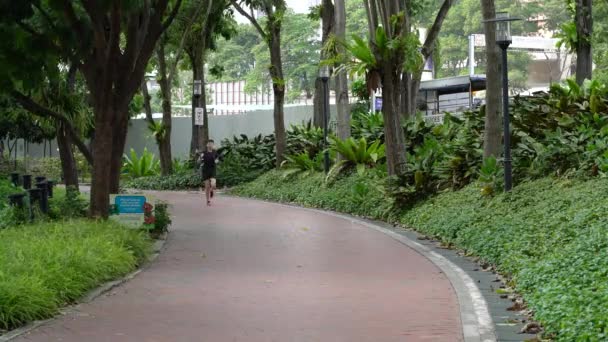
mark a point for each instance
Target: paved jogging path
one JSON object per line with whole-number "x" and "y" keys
{"x": 251, "y": 271}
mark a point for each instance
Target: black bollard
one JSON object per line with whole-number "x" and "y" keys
{"x": 27, "y": 182}
{"x": 34, "y": 197}
{"x": 15, "y": 178}
{"x": 50, "y": 185}
{"x": 44, "y": 199}
{"x": 16, "y": 200}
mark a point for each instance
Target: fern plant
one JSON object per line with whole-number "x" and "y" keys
{"x": 301, "y": 164}
{"x": 490, "y": 176}
{"x": 135, "y": 166}
{"x": 356, "y": 153}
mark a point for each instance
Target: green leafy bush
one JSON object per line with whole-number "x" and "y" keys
{"x": 234, "y": 169}
{"x": 47, "y": 167}
{"x": 162, "y": 218}
{"x": 46, "y": 266}
{"x": 135, "y": 166}
{"x": 351, "y": 193}
{"x": 67, "y": 203}
{"x": 548, "y": 236}
{"x": 302, "y": 163}
{"x": 358, "y": 154}
{"x": 179, "y": 181}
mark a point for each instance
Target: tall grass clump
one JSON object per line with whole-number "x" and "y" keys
{"x": 49, "y": 265}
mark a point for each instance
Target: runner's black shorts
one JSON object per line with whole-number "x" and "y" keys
{"x": 208, "y": 173}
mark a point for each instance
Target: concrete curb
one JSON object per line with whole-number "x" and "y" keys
{"x": 477, "y": 323}
{"x": 157, "y": 248}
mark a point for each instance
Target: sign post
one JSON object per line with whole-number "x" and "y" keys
{"x": 133, "y": 211}
{"x": 199, "y": 117}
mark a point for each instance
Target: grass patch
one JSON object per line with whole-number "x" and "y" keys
{"x": 550, "y": 236}
{"x": 46, "y": 266}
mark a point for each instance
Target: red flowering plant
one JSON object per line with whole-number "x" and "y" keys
{"x": 149, "y": 218}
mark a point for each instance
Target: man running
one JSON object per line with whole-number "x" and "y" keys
{"x": 208, "y": 160}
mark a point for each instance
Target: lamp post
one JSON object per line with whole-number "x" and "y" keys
{"x": 324, "y": 74}
{"x": 504, "y": 40}
{"x": 197, "y": 87}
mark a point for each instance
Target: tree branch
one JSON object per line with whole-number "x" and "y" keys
{"x": 182, "y": 43}
{"x": 429, "y": 42}
{"x": 250, "y": 17}
{"x": 171, "y": 16}
{"x": 31, "y": 106}
{"x": 73, "y": 20}
{"x": 45, "y": 15}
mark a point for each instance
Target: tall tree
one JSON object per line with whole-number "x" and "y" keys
{"x": 169, "y": 53}
{"x": 341, "y": 79}
{"x": 492, "y": 136}
{"x": 411, "y": 83}
{"x": 216, "y": 21}
{"x": 326, "y": 12}
{"x": 112, "y": 42}
{"x": 270, "y": 31}
{"x": 300, "y": 54}
{"x": 583, "y": 19}
{"x": 394, "y": 49}
{"x": 393, "y": 62}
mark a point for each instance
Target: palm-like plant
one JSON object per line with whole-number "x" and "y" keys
{"x": 158, "y": 130}
{"x": 301, "y": 164}
{"x": 135, "y": 166}
{"x": 358, "y": 154}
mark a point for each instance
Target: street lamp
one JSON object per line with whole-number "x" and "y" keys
{"x": 504, "y": 40}
{"x": 324, "y": 74}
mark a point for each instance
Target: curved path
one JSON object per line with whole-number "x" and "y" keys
{"x": 251, "y": 271}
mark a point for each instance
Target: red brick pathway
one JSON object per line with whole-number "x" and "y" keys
{"x": 250, "y": 271}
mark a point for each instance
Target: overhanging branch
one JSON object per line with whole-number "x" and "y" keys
{"x": 250, "y": 17}
{"x": 31, "y": 106}
{"x": 429, "y": 42}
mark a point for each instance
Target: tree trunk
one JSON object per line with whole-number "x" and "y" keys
{"x": 164, "y": 139}
{"x": 342, "y": 102}
{"x": 147, "y": 101}
{"x": 492, "y": 136}
{"x": 278, "y": 87}
{"x": 118, "y": 148}
{"x": 393, "y": 131}
{"x": 66, "y": 155}
{"x": 102, "y": 152}
{"x": 317, "y": 119}
{"x": 584, "y": 31}
{"x": 327, "y": 22}
{"x": 408, "y": 96}
{"x": 196, "y": 60}
{"x": 204, "y": 130}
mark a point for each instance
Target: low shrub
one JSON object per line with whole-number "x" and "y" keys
{"x": 145, "y": 165}
{"x": 187, "y": 180}
{"x": 46, "y": 266}
{"x": 548, "y": 236}
{"x": 162, "y": 218}
{"x": 49, "y": 167}
{"x": 67, "y": 203}
{"x": 351, "y": 192}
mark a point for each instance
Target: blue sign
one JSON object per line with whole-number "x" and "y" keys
{"x": 378, "y": 104}
{"x": 130, "y": 204}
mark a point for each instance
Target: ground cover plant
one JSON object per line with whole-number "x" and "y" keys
{"x": 548, "y": 236}
{"x": 46, "y": 266}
